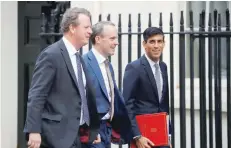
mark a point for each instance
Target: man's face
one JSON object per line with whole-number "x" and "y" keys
{"x": 82, "y": 31}
{"x": 108, "y": 40}
{"x": 154, "y": 46}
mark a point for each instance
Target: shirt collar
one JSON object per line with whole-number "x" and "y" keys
{"x": 151, "y": 62}
{"x": 100, "y": 59}
{"x": 70, "y": 48}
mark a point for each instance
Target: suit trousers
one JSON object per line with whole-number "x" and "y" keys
{"x": 105, "y": 134}
{"x": 78, "y": 144}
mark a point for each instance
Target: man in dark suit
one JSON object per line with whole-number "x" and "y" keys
{"x": 61, "y": 105}
{"x": 110, "y": 103}
{"x": 145, "y": 83}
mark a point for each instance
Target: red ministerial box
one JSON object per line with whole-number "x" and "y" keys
{"x": 154, "y": 127}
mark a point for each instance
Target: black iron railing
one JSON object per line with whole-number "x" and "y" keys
{"x": 211, "y": 78}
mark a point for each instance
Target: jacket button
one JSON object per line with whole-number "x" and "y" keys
{"x": 78, "y": 118}
{"x": 80, "y": 103}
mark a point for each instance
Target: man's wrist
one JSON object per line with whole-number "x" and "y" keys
{"x": 137, "y": 137}
{"x": 169, "y": 139}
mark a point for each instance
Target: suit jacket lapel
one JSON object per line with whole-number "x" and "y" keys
{"x": 148, "y": 69}
{"x": 94, "y": 65}
{"x": 94, "y": 119}
{"x": 163, "y": 72}
{"x": 67, "y": 61}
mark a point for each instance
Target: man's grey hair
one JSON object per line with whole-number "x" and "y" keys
{"x": 98, "y": 28}
{"x": 70, "y": 17}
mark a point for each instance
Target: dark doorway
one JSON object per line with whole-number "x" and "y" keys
{"x": 29, "y": 42}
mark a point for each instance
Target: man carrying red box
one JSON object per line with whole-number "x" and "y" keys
{"x": 145, "y": 85}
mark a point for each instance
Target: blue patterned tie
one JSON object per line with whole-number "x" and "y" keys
{"x": 82, "y": 90}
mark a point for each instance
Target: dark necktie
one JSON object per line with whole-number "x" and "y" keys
{"x": 82, "y": 90}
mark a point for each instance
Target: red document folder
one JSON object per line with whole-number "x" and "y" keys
{"x": 154, "y": 127}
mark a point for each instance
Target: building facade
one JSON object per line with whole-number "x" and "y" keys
{"x": 20, "y": 26}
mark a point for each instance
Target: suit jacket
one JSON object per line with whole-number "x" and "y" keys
{"x": 54, "y": 103}
{"x": 140, "y": 91}
{"x": 103, "y": 104}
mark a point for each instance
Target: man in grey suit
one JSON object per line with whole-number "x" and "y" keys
{"x": 61, "y": 109}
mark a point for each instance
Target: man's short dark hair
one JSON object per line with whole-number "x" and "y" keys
{"x": 152, "y": 31}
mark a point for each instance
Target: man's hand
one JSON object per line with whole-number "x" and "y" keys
{"x": 144, "y": 142}
{"x": 97, "y": 140}
{"x": 34, "y": 140}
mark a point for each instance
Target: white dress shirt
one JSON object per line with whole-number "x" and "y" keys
{"x": 101, "y": 59}
{"x": 152, "y": 65}
{"x": 72, "y": 54}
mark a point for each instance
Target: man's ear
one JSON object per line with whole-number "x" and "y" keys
{"x": 163, "y": 43}
{"x": 97, "y": 39}
{"x": 72, "y": 29}
{"x": 144, "y": 43}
